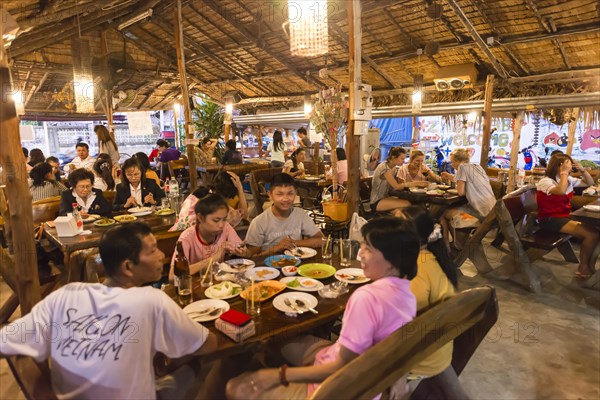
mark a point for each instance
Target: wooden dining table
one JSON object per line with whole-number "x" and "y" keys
{"x": 273, "y": 324}
{"x": 209, "y": 171}
{"x": 588, "y": 216}
{"x": 436, "y": 204}
{"x": 72, "y": 244}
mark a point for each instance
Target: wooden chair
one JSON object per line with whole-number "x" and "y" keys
{"x": 466, "y": 318}
{"x": 178, "y": 167}
{"x": 45, "y": 210}
{"x": 258, "y": 185}
{"x": 329, "y": 227}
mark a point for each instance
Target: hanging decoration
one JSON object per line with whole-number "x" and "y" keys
{"x": 308, "y": 28}
{"x": 329, "y": 117}
{"x": 83, "y": 80}
{"x": 417, "y": 95}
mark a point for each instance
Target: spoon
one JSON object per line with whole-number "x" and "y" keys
{"x": 210, "y": 312}
{"x": 288, "y": 303}
{"x": 301, "y": 304}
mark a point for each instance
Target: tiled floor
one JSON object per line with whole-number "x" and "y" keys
{"x": 543, "y": 346}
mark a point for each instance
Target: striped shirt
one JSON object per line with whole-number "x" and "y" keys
{"x": 477, "y": 187}
{"x": 48, "y": 189}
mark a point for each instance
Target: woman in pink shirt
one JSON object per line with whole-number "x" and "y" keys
{"x": 211, "y": 237}
{"x": 373, "y": 312}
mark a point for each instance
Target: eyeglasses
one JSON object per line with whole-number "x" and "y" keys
{"x": 86, "y": 187}
{"x": 133, "y": 175}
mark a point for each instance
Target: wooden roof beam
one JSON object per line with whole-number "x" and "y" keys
{"x": 67, "y": 28}
{"x": 549, "y": 26}
{"x": 365, "y": 57}
{"x": 35, "y": 89}
{"x": 477, "y": 38}
{"x": 408, "y": 37}
{"x": 53, "y": 12}
{"x": 249, "y": 36}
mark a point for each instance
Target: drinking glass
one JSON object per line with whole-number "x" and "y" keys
{"x": 252, "y": 303}
{"x": 185, "y": 290}
{"x": 207, "y": 274}
{"x": 175, "y": 203}
{"x": 164, "y": 203}
{"x": 326, "y": 248}
{"x": 347, "y": 252}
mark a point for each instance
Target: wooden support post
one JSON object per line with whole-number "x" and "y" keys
{"x": 572, "y": 129}
{"x": 259, "y": 140}
{"x": 514, "y": 153}
{"x": 107, "y": 91}
{"x": 415, "y": 130}
{"x": 487, "y": 121}
{"x": 188, "y": 128}
{"x": 227, "y": 131}
{"x": 18, "y": 198}
{"x": 352, "y": 140}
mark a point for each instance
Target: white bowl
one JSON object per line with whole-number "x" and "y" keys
{"x": 290, "y": 270}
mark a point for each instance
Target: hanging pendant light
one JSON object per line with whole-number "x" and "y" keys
{"x": 83, "y": 80}
{"x": 417, "y": 95}
{"x": 308, "y": 28}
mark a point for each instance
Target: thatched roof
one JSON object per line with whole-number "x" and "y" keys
{"x": 239, "y": 45}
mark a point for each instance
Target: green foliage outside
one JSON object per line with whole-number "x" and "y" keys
{"x": 208, "y": 118}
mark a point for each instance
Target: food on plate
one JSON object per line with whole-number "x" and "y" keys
{"x": 165, "y": 211}
{"x": 284, "y": 262}
{"x": 104, "y": 222}
{"x": 263, "y": 290}
{"x": 294, "y": 283}
{"x": 317, "y": 273}
{"x": 308, "y": 283}
{"x": 355, "y": 278}
{"x": 262, "y": 273}
{"x": 125, "y": 218}
{"x": 290, "y": 269}
{"x": 225, "y": 289}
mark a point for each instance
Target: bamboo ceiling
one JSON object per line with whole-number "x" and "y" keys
{"x": 239, "y": 45}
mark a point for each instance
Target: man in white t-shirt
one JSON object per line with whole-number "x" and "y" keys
{"x": 83, "y": 159}
{"x": 283, "y": 226}
{"x": 101, "y": 338}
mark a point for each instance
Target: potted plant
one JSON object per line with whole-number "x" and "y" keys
{"x": 209, "y": 123}
{"x": 329, "y": 117}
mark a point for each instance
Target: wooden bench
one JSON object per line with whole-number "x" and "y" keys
{"x": 465, "y": 318}
{"x": 45, "y": 210}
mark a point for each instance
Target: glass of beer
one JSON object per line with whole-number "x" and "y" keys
{"x": 185, "y": 290}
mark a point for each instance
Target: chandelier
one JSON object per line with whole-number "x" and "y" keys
{"x": 308, "y": 27}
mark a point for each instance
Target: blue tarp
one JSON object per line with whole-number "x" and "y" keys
{"x": 393, "y": 132}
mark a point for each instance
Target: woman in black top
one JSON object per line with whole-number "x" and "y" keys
{"x": 89, "y": 200}
{"x": 135, "y": 190}
{"x": 231, "y": 155}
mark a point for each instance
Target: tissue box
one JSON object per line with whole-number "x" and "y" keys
{"x": 66, "y": 226}
{"x": 237, "y": 333}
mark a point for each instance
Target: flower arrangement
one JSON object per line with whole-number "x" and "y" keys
{"x": 329, "y": 117}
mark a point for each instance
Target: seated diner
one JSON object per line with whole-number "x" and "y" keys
{"x": 416, "y": 170}
{"x": 82, "y": 192}
{"x": 135, "y": 190}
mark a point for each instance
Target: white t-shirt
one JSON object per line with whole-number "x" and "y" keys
{"x": 290, "y": 164}
{"x": 88, "y": 163}
{"x": 477, "y": 187}
{"x": 102, "y": 340}
{"x": 266, "y": 230}
{"x": 277, "y": 155}
{"x": 546, "y": 184}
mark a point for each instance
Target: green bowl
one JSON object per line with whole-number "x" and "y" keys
{"x": 316, "y": 270}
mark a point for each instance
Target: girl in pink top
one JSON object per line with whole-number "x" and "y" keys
{"x": 373, "y": 312}
{"x": 211, "y": 237}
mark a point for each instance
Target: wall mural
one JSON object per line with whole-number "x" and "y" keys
{"x": 539, "y": 138}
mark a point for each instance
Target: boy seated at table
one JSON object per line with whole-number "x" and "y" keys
{"x": 101, "y": 338}
{"x": 211, "y": 238}
{"x": 283, "y": 226}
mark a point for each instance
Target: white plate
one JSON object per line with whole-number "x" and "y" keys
{"x": 443, "y": 187}
{"x": 308, "y": 299}
{"x": 417, "y": 190}
{"x": 592, "y": 207}
{"x": 217, "y": 291}
{"x": 262, "y": 273}
{"x": 206, "y": 304}
{"x": 307, "y": 252}
{"x": 303, "y": 288}
{"x": 236, "y": 265}
{"x": 141, "y": 213}
{"x": 452, "y": 191}
{"x": 135, "y": 210}
{"x": 312, "y": 178}
{"x": 351, "y": 271}
{"x": 92, "y": 218}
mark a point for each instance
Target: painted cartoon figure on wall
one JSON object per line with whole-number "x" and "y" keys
{"x": 528, "y": 158}
{"x": 590, "y": 141}
{"x": 563, "y": 141}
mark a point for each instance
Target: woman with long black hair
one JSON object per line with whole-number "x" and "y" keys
{"x": 103, "y": 172}
{"x": 295, "y": 165}
{"x": 277, "y": 150}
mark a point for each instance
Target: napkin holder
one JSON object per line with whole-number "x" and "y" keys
{"x": 66, "y": 226}
{"x": 235, "y": 332}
